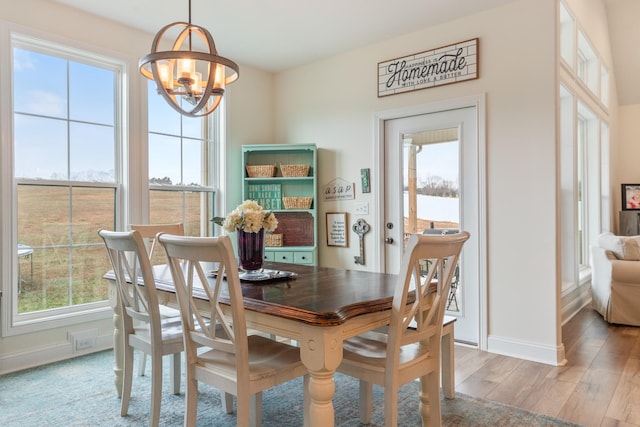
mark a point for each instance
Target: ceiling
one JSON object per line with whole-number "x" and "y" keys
{"x": 276, "y": 35}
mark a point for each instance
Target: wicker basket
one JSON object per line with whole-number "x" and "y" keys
{"x": 297, "y": 202}
{"x": 273, "y": 239}
{"x": 261, "y": 171}
{"x": 294, "y": 170}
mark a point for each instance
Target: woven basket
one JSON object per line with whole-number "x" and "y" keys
{"x": 297, "y": 202}
{"x": 294, "y": 170}
{"x": 261, "y": 171}
{"x": 272, "y": 239}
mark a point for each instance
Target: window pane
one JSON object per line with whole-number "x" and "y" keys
{"x": 192, "y": 127}
{"x": 68, "y": 258}
{"x": 164, "y": 160}
{"x": 162, "y": 118}
{"x": 57, "y": 239}
{"x": 180, "y": 206}
{"x": 89, "y": 264}
{"x": 40, "y": 82}
{"x": 91, "y": 94}
{"x": 40, "y": 147}
{"x": 41, "y": 210}
{"x": 92, "y": 153}
{"x": 50, "y": 285}
{"x": 91, "y": 210}
{"x": 192, "y": 161}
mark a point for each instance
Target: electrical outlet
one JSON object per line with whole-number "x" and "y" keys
{"x": 83, "y": 340}
{"x": 362, "y": 208}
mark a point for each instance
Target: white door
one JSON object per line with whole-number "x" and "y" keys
{"x": 431, "y": 186}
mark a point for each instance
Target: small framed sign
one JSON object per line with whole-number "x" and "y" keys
{"x": 630, "y": 197}
{"x": 337, "y": 229}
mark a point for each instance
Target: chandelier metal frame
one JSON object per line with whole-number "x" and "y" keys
{"x": 162, "y": 67}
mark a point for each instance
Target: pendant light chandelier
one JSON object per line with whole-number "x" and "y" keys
{"x": 181, "y": 74}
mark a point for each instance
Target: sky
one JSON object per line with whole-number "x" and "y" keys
{"x": 64, "y": 126}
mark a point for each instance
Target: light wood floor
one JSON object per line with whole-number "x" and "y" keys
{"x": 599, "y": 386}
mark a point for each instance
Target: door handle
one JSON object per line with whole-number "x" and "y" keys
{"x": 388, "y": 240}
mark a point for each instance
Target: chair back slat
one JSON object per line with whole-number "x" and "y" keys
{"x": 134, "y": 279}
{"x": 186, "y": 256}
{"x": 420, "y": 296}
{"x": 149, "y": 233}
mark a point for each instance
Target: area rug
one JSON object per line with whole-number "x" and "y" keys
{"x": 80, "y": 392}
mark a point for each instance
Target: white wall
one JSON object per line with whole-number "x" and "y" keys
{"x": 332, "y": 103}
{"x": 627, "y": 157}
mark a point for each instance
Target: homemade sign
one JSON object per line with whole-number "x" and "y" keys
{"x": 269, "y": 196}
{"x": 339, "y": 189}
{"x": 445, "y": 65}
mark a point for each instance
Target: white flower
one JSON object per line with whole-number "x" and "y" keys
{"x": 249, "y": 217}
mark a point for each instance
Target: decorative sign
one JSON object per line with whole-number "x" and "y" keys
{"x": 339, "y": 189}
{"x": 337, "y": 229}
{"x": 444, "y": 65}
{"x": 269, "y": 196}
{"x": 364, "y": 177}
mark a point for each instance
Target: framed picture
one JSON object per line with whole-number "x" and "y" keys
{"x": 337, "y": 229}
{"x": 630, "y": 197}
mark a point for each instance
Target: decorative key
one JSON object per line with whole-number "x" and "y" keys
{"x": 361, "y": 228}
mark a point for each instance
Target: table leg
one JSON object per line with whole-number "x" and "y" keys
{"x": 118, "y": 337}
{"x": 321, "y": 353}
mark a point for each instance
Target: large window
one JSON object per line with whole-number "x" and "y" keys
{"x": 65, "y": 146}
{"x": 181, "y": 179}
{"x": 584, "y": 144}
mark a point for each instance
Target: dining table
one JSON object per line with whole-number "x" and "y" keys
{"x": 317, "y": 307}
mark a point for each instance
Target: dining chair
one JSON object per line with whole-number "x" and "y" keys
{"x": 411, "y": 346}
{"x": 148, "y": 232}
{"x": 233, "y": 361}
{"x": 143, "y": 327}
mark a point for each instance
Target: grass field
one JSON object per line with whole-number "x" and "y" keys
{"x": 68, "y": 260}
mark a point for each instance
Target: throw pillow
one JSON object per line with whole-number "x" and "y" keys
{"x": 623, "y": 247}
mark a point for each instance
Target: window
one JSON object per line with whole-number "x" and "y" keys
{"x": 588, "y": 64}
{"x": 65, "y": 148}
{"x": 567, "y": 35}
{"x": 181, "y": 152}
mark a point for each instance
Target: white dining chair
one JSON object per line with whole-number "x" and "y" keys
{"x": 233, "y": 362}
{"x": 143, "y": 327}
{"x": 410, "y": 348}
{"x": 148, "y": 232}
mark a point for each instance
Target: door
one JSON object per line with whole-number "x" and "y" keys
{"x": 431, "y": 187}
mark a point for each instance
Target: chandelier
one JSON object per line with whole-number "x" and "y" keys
{"x": 181, "y": 74}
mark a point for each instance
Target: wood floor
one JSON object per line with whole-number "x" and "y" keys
{"x": 599, "y": 386}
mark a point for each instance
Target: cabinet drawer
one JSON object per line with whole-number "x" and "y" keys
{"x": 283, "y": 257}
{"x": 303, "y": 257}
{"x": 269, "y": 256}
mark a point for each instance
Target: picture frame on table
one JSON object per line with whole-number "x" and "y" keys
{"x": 630, "y": 197}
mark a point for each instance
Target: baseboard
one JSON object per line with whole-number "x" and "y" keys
{"x": 535, "y": 352}
{"x": 53, "y": 353}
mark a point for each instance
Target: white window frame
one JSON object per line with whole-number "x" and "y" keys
{"x": 12, "y": 322}
{"x": 212, "y": 152}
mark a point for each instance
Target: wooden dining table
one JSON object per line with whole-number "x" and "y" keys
{"x": 317, "y": 307}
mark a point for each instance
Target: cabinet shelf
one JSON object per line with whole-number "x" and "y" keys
{"x": 299, "y": 227}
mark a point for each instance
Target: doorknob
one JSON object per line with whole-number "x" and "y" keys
{"x": 388, "y": 240}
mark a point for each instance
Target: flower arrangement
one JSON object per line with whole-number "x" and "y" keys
{"x": 249, "y": 217}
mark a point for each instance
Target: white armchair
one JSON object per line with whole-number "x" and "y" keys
{"x": 615, "y": 278}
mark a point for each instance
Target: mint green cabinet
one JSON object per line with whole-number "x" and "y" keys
{"x": 298, "y": 217}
